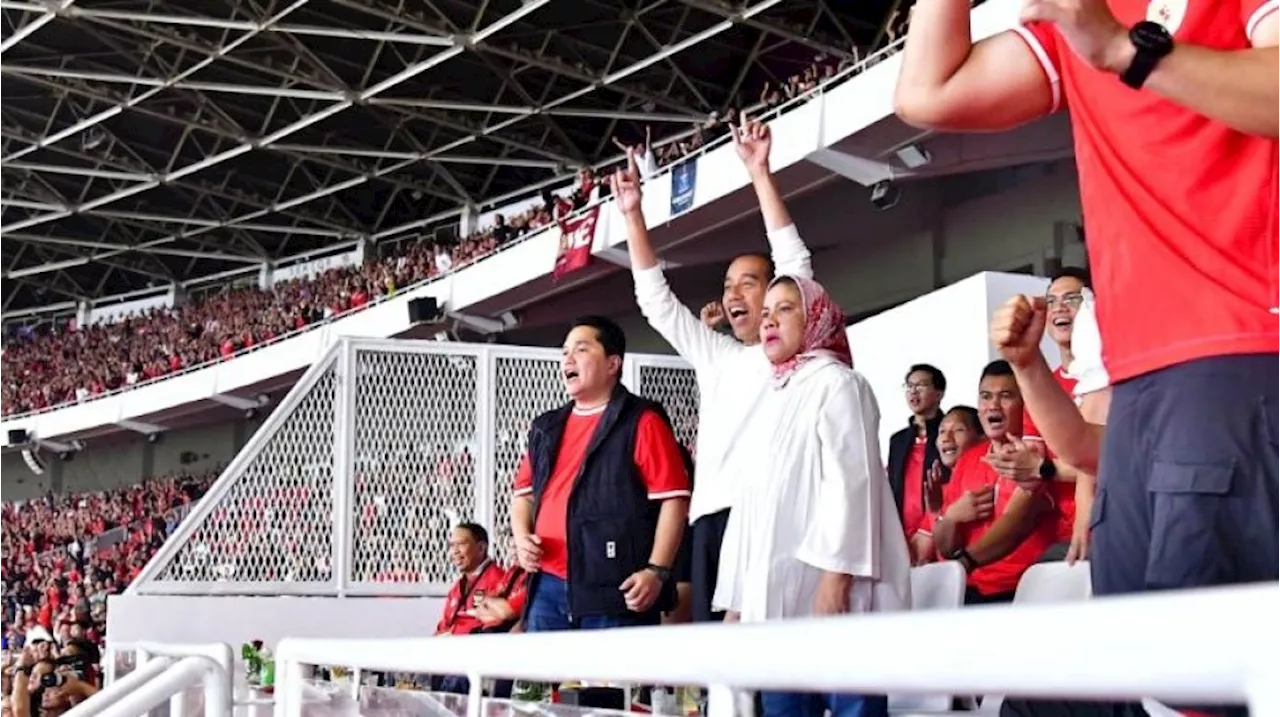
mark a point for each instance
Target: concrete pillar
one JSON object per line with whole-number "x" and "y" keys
{"x": 265, "y": 278}
{"x": 84, "y": 312}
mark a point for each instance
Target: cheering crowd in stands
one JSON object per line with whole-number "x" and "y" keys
{"x": 58, "y": 566}
{"x": 60, "y": 363}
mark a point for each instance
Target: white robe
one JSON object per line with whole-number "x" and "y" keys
{"x": 818, "y": 500}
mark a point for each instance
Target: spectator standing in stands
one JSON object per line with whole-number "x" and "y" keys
{"x": 732, "y": 371}
{"x": 1174, "y": 111}
{"x": 601, "y": 497}
{"x": 913, "y": 450}
{"x": 990, "y": 525}
{"x": 813, "y": 530}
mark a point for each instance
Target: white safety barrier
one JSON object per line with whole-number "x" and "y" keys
{"x": 1200, "y": 646}
{"x": 219, "y": 652}
{"x": 160, "y": 679}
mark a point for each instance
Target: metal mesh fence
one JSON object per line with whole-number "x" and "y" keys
{"x": 414, "y": 455}
{"x": 429, "y": 431}
{"x": 273, "y": 523}
{"x": 524, "y": 387}
{"x": 676, "y": 388}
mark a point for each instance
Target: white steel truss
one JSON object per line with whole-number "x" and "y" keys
{"x": 269, "y": 133}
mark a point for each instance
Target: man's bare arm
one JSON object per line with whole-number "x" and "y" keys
{"x": 672, "y": 518}
{"x": 521, "y": 516}
{"x": 1011, "y": 528}
{"x": 948, "y": 82}
{"x": 1074, "y": 440}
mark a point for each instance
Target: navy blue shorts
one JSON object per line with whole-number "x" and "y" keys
{"x": 1187, "y": 486}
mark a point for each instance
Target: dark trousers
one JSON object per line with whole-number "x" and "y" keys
{"x": 460, "y": 685}
{"x": 549, "y": 610}
{"x": 708, "y": 534}
{"x": 1187, "y": 491}
{"x": 800, "y": 704}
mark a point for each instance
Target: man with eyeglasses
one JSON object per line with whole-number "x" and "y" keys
{"x": 911, "y": 453}
{"x": 1062, "y": 302}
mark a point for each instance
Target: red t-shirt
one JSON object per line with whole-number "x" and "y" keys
{"x": 971, "y": 473}
{"x": 657, "y": 457}
{"x": 1062, "y": 492}
{"x": 1171, "y": 198}
{"x": 913, "y": 487}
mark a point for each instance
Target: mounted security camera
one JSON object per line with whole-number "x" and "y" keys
{"x": 885, "y": 195}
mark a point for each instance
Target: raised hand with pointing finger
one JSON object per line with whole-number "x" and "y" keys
{"x": 625, "y": 184}
{"x": 1016, "y": 329}
{"x": 753, "y": 141}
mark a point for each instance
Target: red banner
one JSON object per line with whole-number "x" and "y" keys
{"x": 576, "y": 237}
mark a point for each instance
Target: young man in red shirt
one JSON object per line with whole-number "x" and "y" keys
{"x": 990, "y": 525}
{"x": 1174, "y": 111}
{"x": 912, "y": 451}
{"x": 1063, "y": 299}
{"x": 601, "y": 498}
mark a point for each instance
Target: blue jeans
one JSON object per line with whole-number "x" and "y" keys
{"x": 803, "y": 704}
{"x": 549, "y": 610}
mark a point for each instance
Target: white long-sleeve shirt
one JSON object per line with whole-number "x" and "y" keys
{"x": 731, "y": 377}
{"x": 817, "y": 500}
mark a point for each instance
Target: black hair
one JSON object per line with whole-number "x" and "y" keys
{"x": 970, "y": 417}
{"x": 608, "y": 333}
{"x": 771, "y": 269}
{"x": 477, "y": 531}
{"x": 1072, "y": 272}
{"x": 935, "y": 375}
{"x": 999, "y": 367}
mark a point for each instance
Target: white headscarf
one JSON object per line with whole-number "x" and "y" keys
{"x": 1086, "y": 350}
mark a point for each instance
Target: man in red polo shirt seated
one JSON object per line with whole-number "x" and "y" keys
{"x": 487, "y": 597}
{"x": 990, "y": 525}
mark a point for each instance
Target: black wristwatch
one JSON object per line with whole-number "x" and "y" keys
{"x": 1151, "y": 43}
{"x": 1048, "y": 471}
{"x": 963, "y": 557}
{"x": 664, "y": 574}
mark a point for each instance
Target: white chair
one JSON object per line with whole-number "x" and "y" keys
{"x": 1042, "y": 584}
{"x": 937, "y": 586}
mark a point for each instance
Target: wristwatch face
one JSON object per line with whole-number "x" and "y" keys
{"x": 1152, "y": 37}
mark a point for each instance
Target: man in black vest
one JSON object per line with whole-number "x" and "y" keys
{"x": 601, "y": 498}
{"x": 912, "y": 451}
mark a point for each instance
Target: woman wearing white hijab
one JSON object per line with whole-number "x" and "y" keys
{"x": 814, "y": 530}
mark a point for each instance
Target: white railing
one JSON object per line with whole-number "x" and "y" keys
{"x": 1213, "y": 646}
{"x": 166, "y": 678}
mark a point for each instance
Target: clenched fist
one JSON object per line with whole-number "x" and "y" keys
{"x": 1017, "y": 327}
{"x": 713, "y": 315}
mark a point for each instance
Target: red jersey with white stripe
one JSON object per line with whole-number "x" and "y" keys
{"x": 1173, "y": 201}
{"x": 657, "y": 457}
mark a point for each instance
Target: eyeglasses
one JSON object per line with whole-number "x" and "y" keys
{"x": 916, "y": 387}
{"x": 1071, "y": 301}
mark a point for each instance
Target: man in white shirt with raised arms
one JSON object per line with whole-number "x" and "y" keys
{"x": 732, "y": 374}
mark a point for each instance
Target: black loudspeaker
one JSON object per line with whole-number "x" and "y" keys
{"x": 17, "y": 437}
{"x": 424, "y": 310}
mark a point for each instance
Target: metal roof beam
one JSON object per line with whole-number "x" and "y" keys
{"x": 769, "y": 27}
{"x": 217, "y": 87}
{"x": 25, "y": 31}
{"x": 108, "y": 246}
{"x": 451, "y": 106}
{"x": 110, "y": 112}
{"x": 249, "y": 25}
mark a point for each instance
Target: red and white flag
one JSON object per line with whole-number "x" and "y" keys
{"x": 576, "y": 236}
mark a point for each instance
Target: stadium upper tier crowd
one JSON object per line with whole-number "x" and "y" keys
{"x": 57, "y": 570}
{"x": 58, "y": 363}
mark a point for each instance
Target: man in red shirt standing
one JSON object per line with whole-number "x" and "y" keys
{"x": 1174, "y": 110}
{"x": 1174, "y": 113}
{"x": 601, "y": 498}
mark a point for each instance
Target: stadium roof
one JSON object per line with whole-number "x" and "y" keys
{"x": 147, "y": 142}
